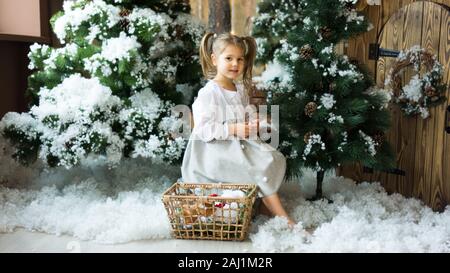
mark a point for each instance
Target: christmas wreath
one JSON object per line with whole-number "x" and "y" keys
{"x": 422, "y": 92}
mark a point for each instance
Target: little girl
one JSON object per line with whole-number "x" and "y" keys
{"x": 221, "y": 148}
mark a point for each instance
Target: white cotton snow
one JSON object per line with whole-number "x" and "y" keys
{"x": 412, "y": 90}
{"x": 191, "y": 25}
{"x": 79, "y": 95}
{"x": 276, "y": 236}
{"x": 85, "y": 212}
{"x": 370, "y": 143}
{"x": 22, "y": 121}
{"x": 274, "y": 72}
{"x": 362, "y": 218}
{"x": 74, "y": 17}
{"x": 90, "y": 203}
{"x": 148, "y": 102}
{"x": 385, "y": 94}
{"x": 147, "y": 16}
{"x": 119, "y": 48}
{"x": 123, "y": 204}
{"x": 327, "y": 100}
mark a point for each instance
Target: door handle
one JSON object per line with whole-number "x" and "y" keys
{"x": 447, "y": 121}
{"x": 395, "y": 171}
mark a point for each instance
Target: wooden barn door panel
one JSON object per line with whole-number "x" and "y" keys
{"x": 441, "y": 176}
{"x": 392, "y": 38}
{"x": 422, "y": 148}
{"x": 427, "y": 133}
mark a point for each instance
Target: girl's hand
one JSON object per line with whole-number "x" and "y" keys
{"x": 253, "y": 129}
{"x": 255, "y": 125}
{"x": 243, "y": 130}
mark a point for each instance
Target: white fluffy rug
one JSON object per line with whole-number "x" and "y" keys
{"x": 123, "y": 204}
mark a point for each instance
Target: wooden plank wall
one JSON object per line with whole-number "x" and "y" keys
{"x": 199, "y": 9}
{"x": 420, "y": 145}
{"x": 241, "y": 13}
{"x": 443, "y": 176}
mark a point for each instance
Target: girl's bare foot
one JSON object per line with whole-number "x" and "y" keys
{"x": 291, "y": 223}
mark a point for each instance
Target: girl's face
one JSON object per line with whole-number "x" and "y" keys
{"x": 230, "y": 63}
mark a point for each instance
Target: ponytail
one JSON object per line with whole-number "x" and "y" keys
{"x": 249, "y": 55}
{"x": 209, "y": 70}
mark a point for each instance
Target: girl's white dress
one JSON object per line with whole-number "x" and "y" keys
{"x": 212, "y": 155}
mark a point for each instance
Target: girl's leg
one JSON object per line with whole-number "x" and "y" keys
{"x": 273, "y": 204}
{"x": 264, "y": 210}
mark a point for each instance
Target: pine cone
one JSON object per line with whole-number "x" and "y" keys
{"x": 310, "y": 108}
{"x": 430, "y": 91}
{"x": 306, "y": 52}
{"x": 179, "y": 31}
{"x": 332, "y": 86}
{"x": 320, "y": 85}
{"x": 96, "y": 42}
{"x": 349, "y": 6}
{"x": 307, "y": 136}
{"x": 378, "y": 138}
{"x": 124, "y": 12}
{"x": 124, "y": 22}
{"x": 325, "y": 32}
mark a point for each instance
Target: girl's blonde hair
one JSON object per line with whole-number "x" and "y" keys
{"x": 212, "y": 43}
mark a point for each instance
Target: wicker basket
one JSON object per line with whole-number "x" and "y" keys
{"x": 198, "y": 211}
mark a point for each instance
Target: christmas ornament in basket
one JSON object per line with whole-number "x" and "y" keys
{"x": 210, "y": 211}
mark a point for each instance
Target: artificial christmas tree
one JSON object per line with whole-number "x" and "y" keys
{"x": 329, "y": 112}
{"x": 108, "y": 92}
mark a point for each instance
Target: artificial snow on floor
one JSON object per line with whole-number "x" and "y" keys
{"x": 121, "y": 205}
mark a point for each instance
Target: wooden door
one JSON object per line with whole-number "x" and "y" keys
{"x": 422, "y": 147}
